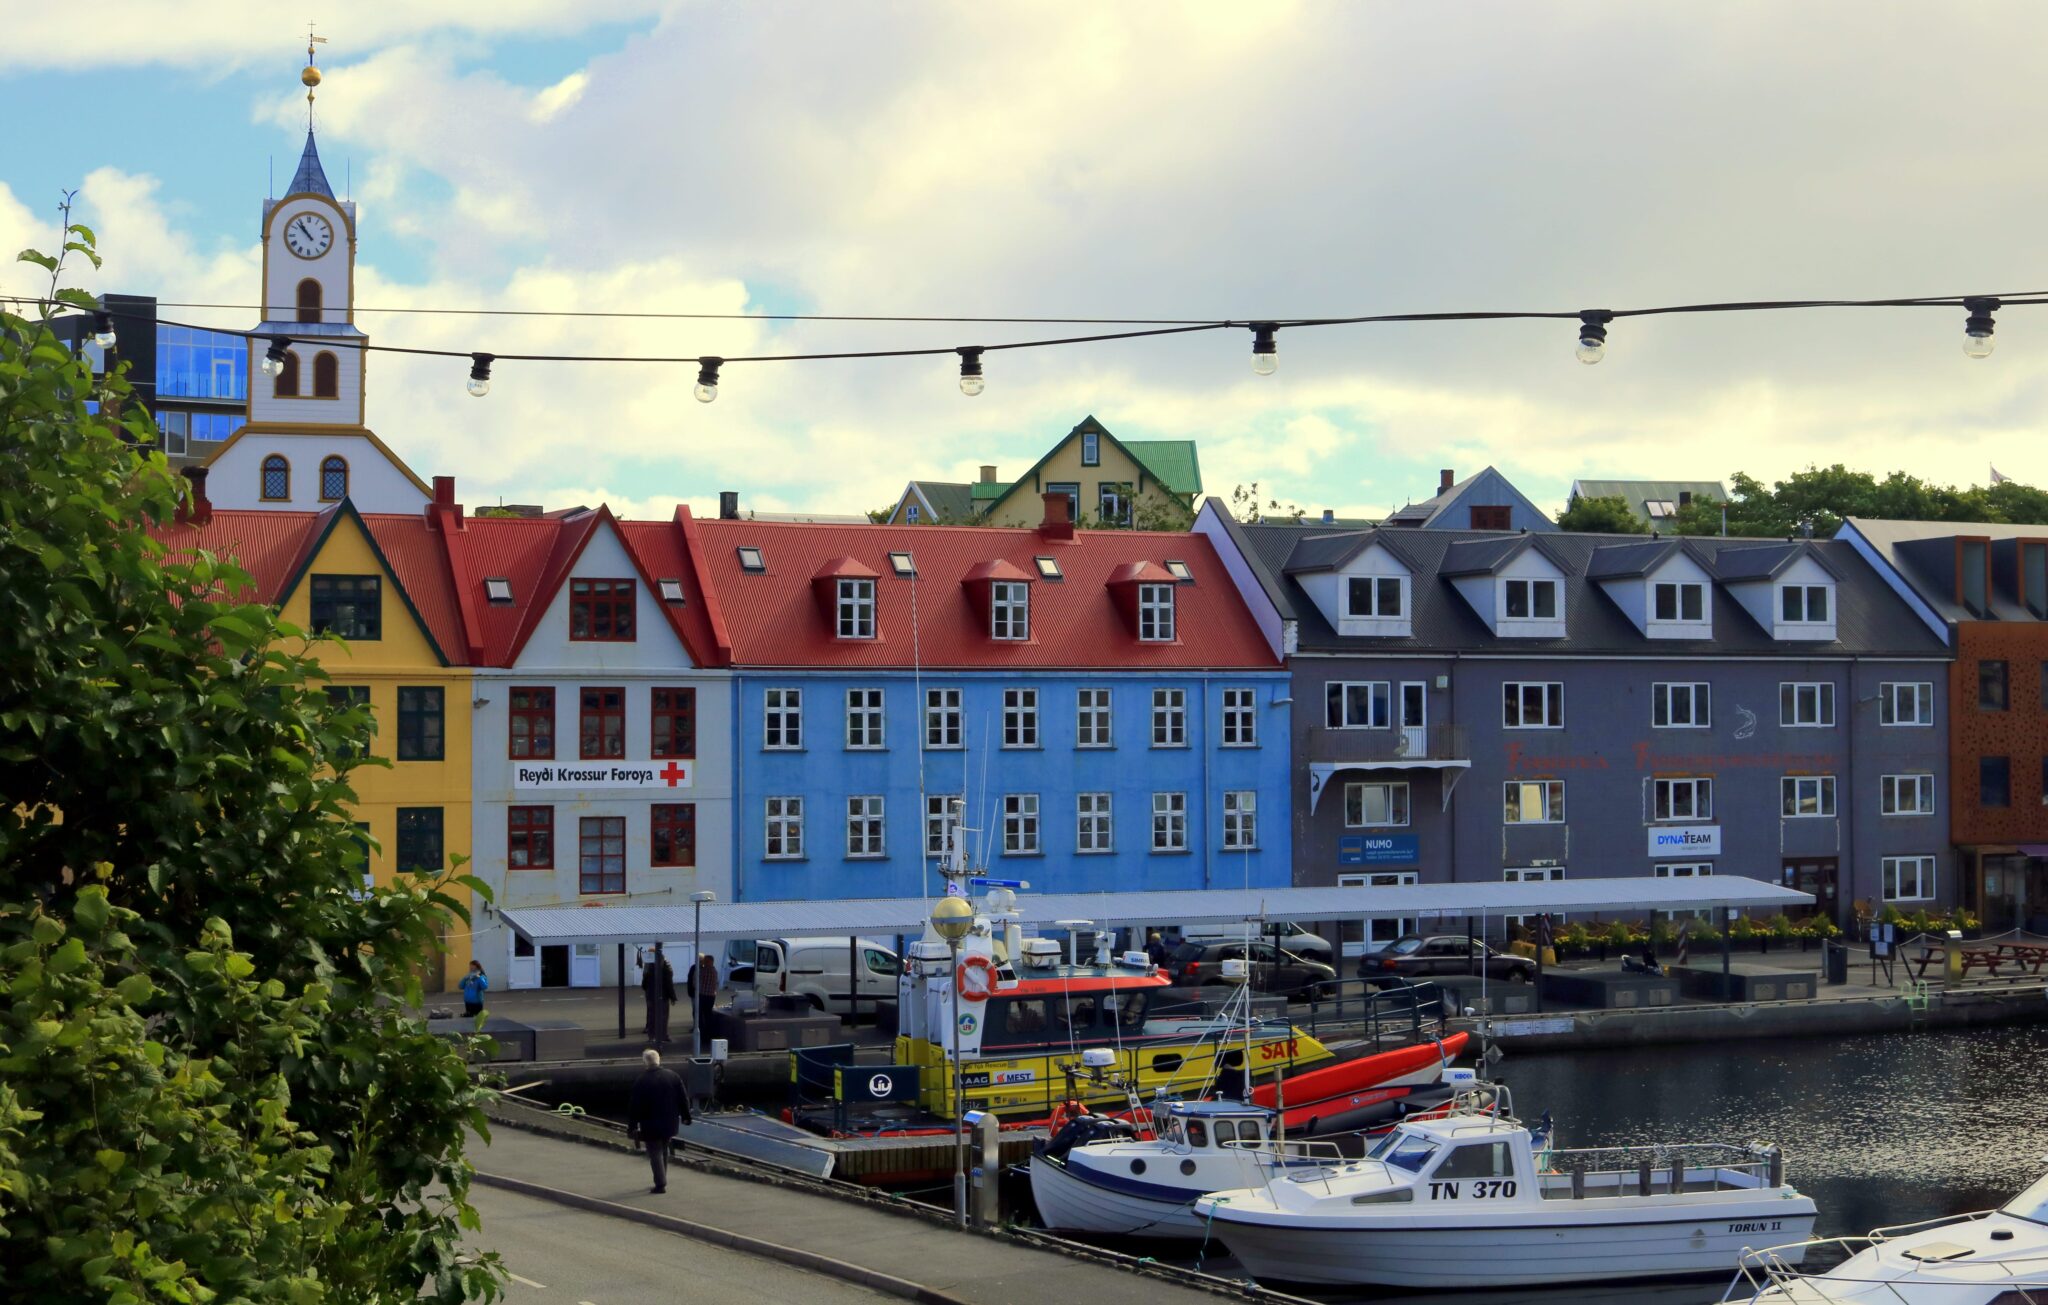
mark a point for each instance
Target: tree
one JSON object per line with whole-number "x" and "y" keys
{"x": 1817, "y": 500}
{"x": 209, "y": 1085}
{"x": 1607, "y": 514}
{"x": 1245, "y": 506}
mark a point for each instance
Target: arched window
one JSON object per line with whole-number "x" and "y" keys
{"x": 309, "y": 300}
{"x": 288, "y": 377}
{"x": 277, "y": 478}
{"x": 333, "y": 478}
{"x": 325, "y": 370}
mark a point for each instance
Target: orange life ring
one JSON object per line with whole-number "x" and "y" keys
{"x": 1066, "y": 1112}
{"x": 977, "y": 989}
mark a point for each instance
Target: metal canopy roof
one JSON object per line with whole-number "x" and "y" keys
{"x": 883, "y": 917}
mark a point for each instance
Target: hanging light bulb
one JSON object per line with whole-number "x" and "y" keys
{"x": 707, "y": 379}
{"x": 970, "y": 371}
{"x": 1593, "y": 335}
{"x": 480, "y": 374}
{"x": 1265, "y": 354}
{"x": 1977, "y": 339}
{"x": 102, "y": 329}
{"x": 273, "y": 357}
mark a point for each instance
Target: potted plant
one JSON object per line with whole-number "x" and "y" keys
{"x": 1615, "y": 936}
{"x": 1570, "y": 939}
{"x": 1742, "y": 931}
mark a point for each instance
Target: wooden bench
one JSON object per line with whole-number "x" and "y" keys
{"x": 1982, "y": 958}
{"x": 2027, "y": 956}
{"x": 1926, "y": 957}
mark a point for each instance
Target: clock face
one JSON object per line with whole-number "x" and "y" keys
{"x": 308, "y": 235}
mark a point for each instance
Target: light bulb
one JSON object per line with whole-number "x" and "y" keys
{"x": 480, "y": 374}
{"x": 707, "y": 379}
{"x": 1591, "y": 350}
{"x": 271, "y": 366}
{"x": 705, "y": 393}
{"x": 1977, "y": 341}
{"x": 479, "y": 386}
{"x": 273, "y": 357}
{"x": 1593, "y": 335}
{"x": 1265, "y": 364}
{"x": 1265, "y": 353}
{"x": 972, "y": 385}
{"x": 103, "y": 330}
{"x": 1978, "y": 346}
{"x": 971, "y": 380}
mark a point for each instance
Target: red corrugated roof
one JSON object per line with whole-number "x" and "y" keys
{"x": 270, "y": 546}
{"x": 413, "y": 551}
{"x": 517, "y": 550}
{"x": 663, "y": 554}
{"x": 773, "y": 619}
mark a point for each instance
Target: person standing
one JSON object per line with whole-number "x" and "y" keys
{"x": 474, "y": 984}
{"x": 658, "y": 986}
{"x": 704, "y": 980}
{"x": 1156, "y": 950}
{"x": 659, "y": 1107}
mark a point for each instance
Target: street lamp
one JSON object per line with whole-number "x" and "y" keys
{"x": 697, "y": 901}
{"x": 952, "y": 917}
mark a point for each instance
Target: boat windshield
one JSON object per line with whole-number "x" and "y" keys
{"x": 1408, "y": 1151}
{"x": 2031, "y": 1204}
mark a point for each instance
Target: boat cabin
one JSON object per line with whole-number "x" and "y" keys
{"x": 1213, "y": 1125}
{"x": 1076, "y": 1010}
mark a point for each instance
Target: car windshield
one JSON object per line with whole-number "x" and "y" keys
{"x": 1403, "y": 1150}
{"x": 1406, "y": 947}
{"x": 1186, "y": 952}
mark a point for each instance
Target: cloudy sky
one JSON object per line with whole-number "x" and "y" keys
{"x": 1125, "y": 160}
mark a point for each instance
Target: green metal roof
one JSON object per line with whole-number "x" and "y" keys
{"x": 988, "y": 491}
{"x": 1172, "y": 463}
{"x": 1637, "y": 491}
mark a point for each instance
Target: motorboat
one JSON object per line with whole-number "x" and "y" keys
{"x": 1472, "y": 1199}
{"x": 1990, "y": 1257}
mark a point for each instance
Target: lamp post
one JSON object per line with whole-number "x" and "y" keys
{"x": 952, "y": 917}
{"x": 697, "y": 901}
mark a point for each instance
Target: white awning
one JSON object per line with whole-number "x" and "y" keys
{"x": 1320, "y": 773}
{"x": 889, "y": 916}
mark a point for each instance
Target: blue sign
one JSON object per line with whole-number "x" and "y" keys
{"x": 1378, "y": 849}
{"x": 980, "y": 882}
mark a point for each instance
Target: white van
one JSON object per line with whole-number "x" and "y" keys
{"x": 1308, "y": 946}
{"x": 814, "y": 968}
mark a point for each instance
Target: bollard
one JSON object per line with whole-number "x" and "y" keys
{"x": 1775, "y": 1159}
{"x": 1643, "y": 1177}
{"x": 985, "y": 1181}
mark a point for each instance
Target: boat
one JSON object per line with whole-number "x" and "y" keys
{"x": 1471, "y": 1200}
{"x": 1989, "y": 1257}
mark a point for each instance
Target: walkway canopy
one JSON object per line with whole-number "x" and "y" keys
{"x": 886, "y": 917}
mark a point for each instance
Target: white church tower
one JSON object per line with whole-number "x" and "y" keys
{"x": 305, "y": 445}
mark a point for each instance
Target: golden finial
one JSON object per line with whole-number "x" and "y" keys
{"x": 310, "y": 76}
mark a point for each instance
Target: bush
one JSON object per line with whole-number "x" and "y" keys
{"x": 1742, "y": 930}
{"x": 1781, "y": 926}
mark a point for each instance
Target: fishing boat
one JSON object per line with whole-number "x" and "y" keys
{"x": 1990, "y": 1257}
{"x": 1471, "y": 1200}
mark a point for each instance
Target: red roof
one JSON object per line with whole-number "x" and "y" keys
{"x": 270, "y": 546}
{"x": 774, "y": 620}
{"x": 412, "y": 549}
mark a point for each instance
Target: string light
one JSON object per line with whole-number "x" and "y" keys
{"x": 1265, "y": 353}
{"x": 1977, "y": 339}
{"x": 1593, "y": 335}
{"x": 707, "y": 378}
{"x": 273, "y": 357}
{"x": 102, "y": 328}
{"x": 480, "y": 374}
{"x": 971, "y": 382}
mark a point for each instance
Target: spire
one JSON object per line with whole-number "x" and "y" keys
{"x": 311, "y": 177}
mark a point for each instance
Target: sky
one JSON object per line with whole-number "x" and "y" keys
{"x": 1136, "y": 160}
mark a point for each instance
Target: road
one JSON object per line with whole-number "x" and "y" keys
{"x": 562, "y": 1256}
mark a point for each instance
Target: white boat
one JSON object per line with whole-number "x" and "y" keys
{"x": 1467, "y": 1201}
{"x": 1991, "y": 1257}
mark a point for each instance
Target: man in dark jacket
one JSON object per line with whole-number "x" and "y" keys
{"x": 658, "y": 985}
{"x": 658, "y": 1109}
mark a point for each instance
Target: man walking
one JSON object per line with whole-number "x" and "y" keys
{"x": 658, "y": 1109}
{"x": 658, "y": 985}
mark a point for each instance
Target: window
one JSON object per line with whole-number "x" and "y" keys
{"x": 1994, "y": 685}
{"x": 785, "y": 829}
{"x": 1369, "y": 595}
{"x": 751, "y": 559}
{"x": 1691, "y": 870}
{"x": 1240, "y": 718}
{"x": 1169, "y": 718}
{"x": 277, "y": 479}
{"x": 1682, "y": 799}
{"x": 601, "y": 611}
{"x": 1169, "y": 822}
{"x": 1240, "y": 820}
{"x": 497, "y": 591}
{"x": 902, "y": 563}
{"x": 672, "y": 834}
{"x": 1369, "y": 805}
{"x": 675, "y": 722}
{"x": 1908, "y": 878}
{"x": 1807, "y": 795}
{"x": 863, "y": 718}
{"x": 1009, "y": 610}
{"x": 1491, "y": 517}
{"x": 1973, "y": 576}
{"x": 941, "y": 823}
{"x": 1179, "y": 571}
{"x": 1091, "y": 718}
{"x": 1994, "y": 781}
{"x": 1048, "y": 568}
{"x": 350, "y": 606}
{"x": 1020, "y": 718}
{"x": 347, "y": 697}
{"x": 1906, "y": 795}
{"x": 532, "y": 732}
{"x": 601, "y": 731}
{"x": 1375, "y": 931}
{"x": 1532, "y": 706}
{"x": 671, "y": 592}
{"x": 1091, "y": 450}
{"x": 530, "y": 838}
{"x": 1113, "y": 503}
{"x": 326, "y": 377}
{"x": 1683, "y": 600}
{"x": 286, "y": 385}
{"x": 863, "y": 827}
{"x": 2033, "y": 558}
{"x": 782, "y": 719}
{"x": 910, "y": 514}
{"x": 1905, "y": 704}
{"x": 1541, "y": 874}
{"x": 1531, "y": 600}
{"x": 1072, "y": 490}
{"x": 601, "y": 855}
{"x": 856, "y": 609}
{"x": 1803, "y": 604}
{"x": 419, "y": 840}
{"x": 1020, "y": 824}
{"x": 1806, "y": 706}
{"x": 942, "y": 718}
{"x": 1476, "y": 1160}
{"x": 1354, "y": 705}
{"x": 1681, "y": 706}
{"x": 333, "y": 479}
{"x": 420, "y": 718}
{"x": 1092, "y": 824}
{"x": 309, "y": 300}
{"x": 1155, "y": 613}
{"x": 1535, "y": 802}
{"x": 1659, "y": 507}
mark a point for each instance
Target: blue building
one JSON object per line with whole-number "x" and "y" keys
{"x": 195, "y": 382}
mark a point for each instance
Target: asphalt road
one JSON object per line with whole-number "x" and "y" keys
{"x": 562, "y": 1256}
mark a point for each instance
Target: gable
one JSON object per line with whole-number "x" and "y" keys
{"x": 347, "y": 548}
{"x": 655, "y": 644}
{"x": 377, "y": 480}
{"x": 1489, "y": 489}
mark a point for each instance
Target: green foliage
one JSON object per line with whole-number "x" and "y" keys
{"x": 1818, "y": 498}
{"x": 209, "y": 1087}
{"x": 1605, "y": 515}
{"x": 1245, "y": 506}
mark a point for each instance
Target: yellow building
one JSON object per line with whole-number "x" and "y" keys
{"x": 1150, "y": 484}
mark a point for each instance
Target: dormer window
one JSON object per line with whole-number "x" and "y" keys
{"x": 751, "y": 560}
{"x": 671, "y": 592}
{"x": 1370, "y": 595}
{"x": 1048, "y": 568}
{"x": 902, "y": 564}
{"x": 1180, "y": 571}
{"x": 1527, "y": 600}
{"x": 1009, "y": 610}
{"x": 1657, "y": 508}
{"x": 857, "y": 609}
{"x": 1973, "y": 576}
{"x": 2034, "y": 577}
{"x": 1803, "y": 604}
{"x": 498, "y": 590}
{"x": 1684, "y": 600}
{"x": 1155, "y": 613}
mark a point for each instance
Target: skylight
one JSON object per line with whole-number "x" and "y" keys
{"x": 1049, "y": 568}
{"x": 671, "y": 591}
{"x": 1180, "y": 570}
{"x": 498, "y": 589}
{"x": 1660, "y": 507}
{"x": 901, "y": 564}
{"x": 750, "y": 559}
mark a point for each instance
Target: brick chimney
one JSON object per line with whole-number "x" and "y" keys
{"x": 444, "y": 509}
{"x": 728, "y": 505}
{"x": 1445, "y": 479}
{"x": 988, "y": 473}
{"x": 197, "y": 508}
{"x": 1059, "y": 516}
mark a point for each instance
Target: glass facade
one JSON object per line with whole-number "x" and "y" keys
{"x": 182, "y": 428}
{"x": 196, "y": 364}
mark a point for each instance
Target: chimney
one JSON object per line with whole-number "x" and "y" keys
{"x": 1445, "y": 479}
{"x": 1059, "y": 516}
{"x": 1329, "y": 516}
{"x": 728, "y": 505}
{"x": 197, "y": 508}
{"x": 444, "y": 506}
{"x": 988, "y": 473}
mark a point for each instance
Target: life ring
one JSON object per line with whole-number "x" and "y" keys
{"x": 982, "y": 984}
{"x": 1063, "y": 1114}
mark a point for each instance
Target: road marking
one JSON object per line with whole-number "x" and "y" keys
{"x": 526, "y": 1282}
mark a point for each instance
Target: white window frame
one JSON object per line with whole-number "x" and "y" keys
{"x": 1794, "y": 703}
{"x": 1377, "y": 931}
{"x": 1698, "y": 697}
{"x": 1515, "y": 700}
{"x": 864, "y": 720}
{"x": 943, "y": 720}
{"x": 1376, "y": 589}
{"x": 1896, "y": 695}
{"x": 941, "y": 823}
{"x": 864, "y": 828}
{"x": 1891, "y": 878}
{"x": 1009, "y": 610}
{"x": 782, "y": 720}
{"x": 1094, "y": 824}
{"x": 1793, "y": 793}
{"x": 1240, "y": 820}
{"x": 1094, "y": 718}
{"x": 1240, "y": 718}
{"x": 1395, "y": 800}
{"x": 1683, "y": 870}
{"x": 1805, "y": 604}
{"x": 1155, "y": 613}
{"x": 856, "y": 608}
{"x": 1547, "y": 795}
{"x": 1169, "y": 822}
{"x": 1534, "y": 585}
{"x": 1020, "y": 719}
{"x": 1917, "y": 787}
{"x": 784, "y": 837}
{"x": 1020, "y": 825}
{"x": 1091, "y": 449}
{"x": 1169, "y": 718}
{"x": 1699, "y": 791}
{"x": 1379, "y": 705}
{"x": 1678, "y": 590}
{"x": 1532, "y": 874}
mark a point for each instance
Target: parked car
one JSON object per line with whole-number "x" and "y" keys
{"x": 1272, "y": 969}
{"x": 1416, "y": 957}
{"x": 1288, "y": 935}
{"x": 815, "y": 969}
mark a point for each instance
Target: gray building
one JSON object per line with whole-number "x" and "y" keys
{"x": 1472, "y": 705}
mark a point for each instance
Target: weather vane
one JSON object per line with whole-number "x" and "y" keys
{"x": 311, "y": 75}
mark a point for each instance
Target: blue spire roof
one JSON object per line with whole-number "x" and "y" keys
{"x": 310, "y": 178}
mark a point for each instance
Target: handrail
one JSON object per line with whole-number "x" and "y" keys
{"x": 1778, "y": 1275}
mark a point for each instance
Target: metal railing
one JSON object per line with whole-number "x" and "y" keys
{"x": 1414, "y": 1012}
{"x": 1762, "y": 1272}
{"x": 1661, "y": 1168}
{"x": 1422, "y": 743}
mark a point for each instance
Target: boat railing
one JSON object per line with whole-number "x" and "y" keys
{"x": 1766, "y": 1273}
{"x": 1291, "y": 1150}
{"x": 1407, "y": 1012}
{"x": 1660, "y": 1169}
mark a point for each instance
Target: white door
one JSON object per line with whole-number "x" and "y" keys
{"x": 1533, "y": 875}
{"x": 1378, "y": 930}
{"x": 1414, "y": 718}
{"x": 583, "y": 971}
{"x": 523, "y": 970}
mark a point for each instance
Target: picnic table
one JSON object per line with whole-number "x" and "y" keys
{"x": 2030, "y": 957}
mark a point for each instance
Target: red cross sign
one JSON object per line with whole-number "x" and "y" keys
{"x": 674, "y": 774}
